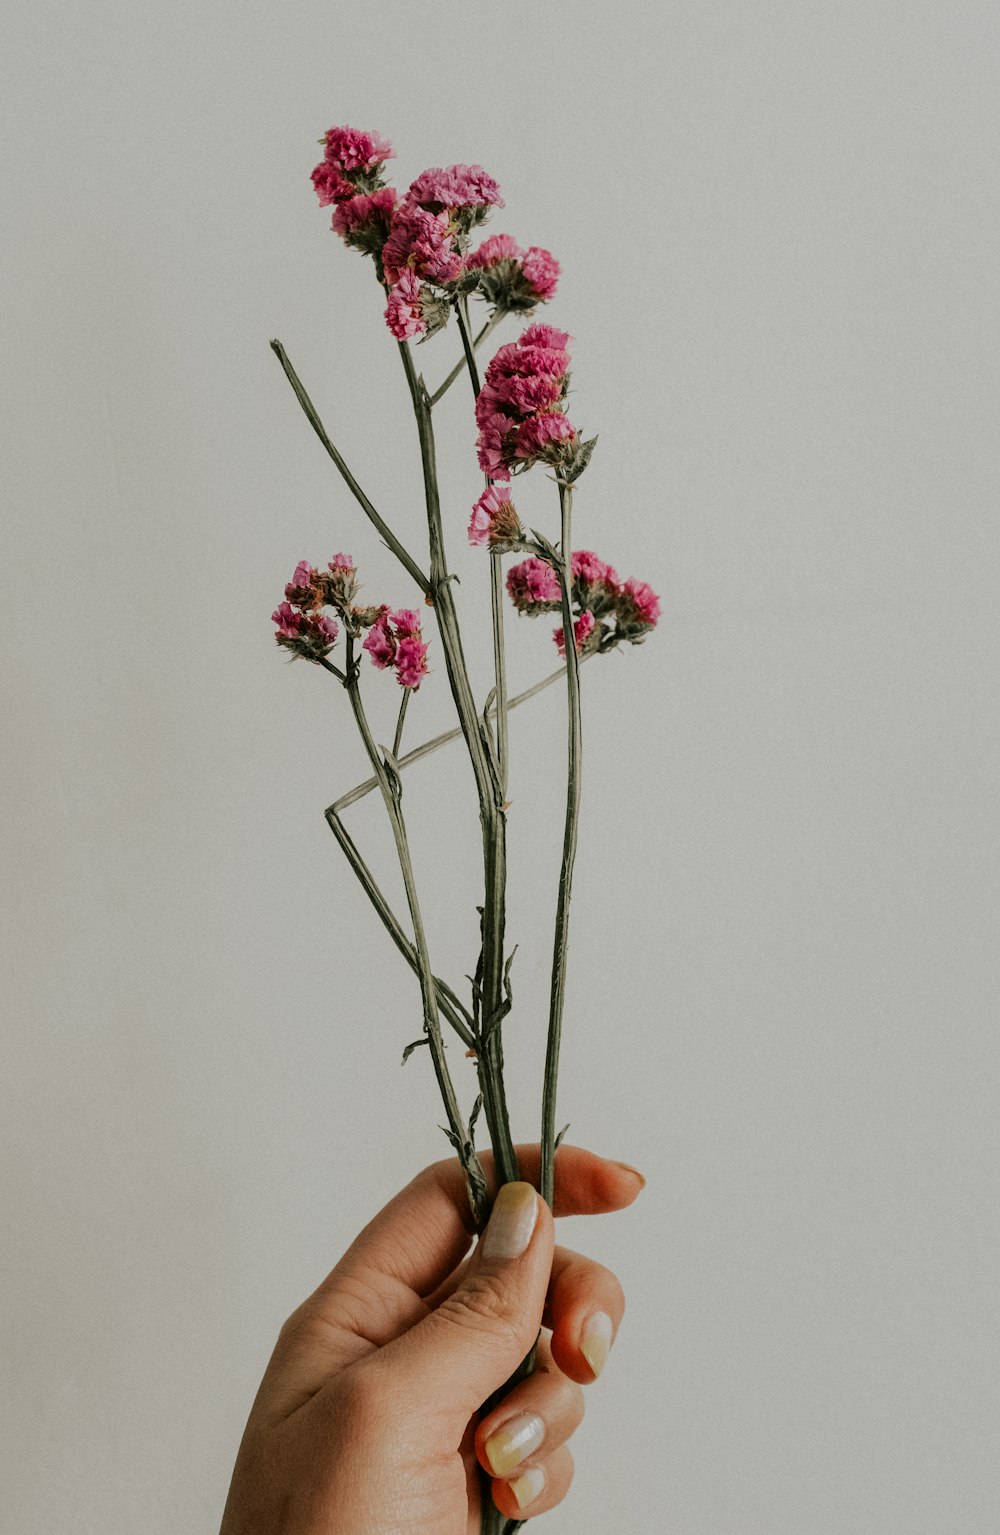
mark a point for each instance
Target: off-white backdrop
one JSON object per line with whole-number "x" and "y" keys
{"x": 778, "y": 229}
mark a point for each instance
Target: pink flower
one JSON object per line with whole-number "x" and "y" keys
{"x": 363, "y": 221}
{"x": 514, "y": 358}
{"x": 586, "y": 567}
{"x": 352, "y": 149}
{"x": 638, "y": 606}
{"x": 411, "y": 661}
{"x": 497, "y": 248}
{"x": 491, "y": 446}
{"x": 540, "y": 436}
{"x": 422, "y": 241}
{"x": 303, "y": 575}
{"x": 326, "y": 627}
{"x": 342, "y": 562}
{"x": 352, "y": 164}
{"x": 290, "y": 624}
{"x": 404, "y": 313}
{"x": 494, "y": 520}
{"x": 546, "y": 336}
{"x": 524, "y": 394}
{"x": 380, "y": 643}
{"x": 533, "y": 586}
{"x": 582, "y": 628}
{"x": 406, "y": 622}
{"x": 541, "y": 270}
{"x": 456, "y": 186}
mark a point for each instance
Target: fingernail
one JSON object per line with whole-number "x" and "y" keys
{"x": 634, "y": 1171}
{"x": 514, "y": 1442}
{"x": 595, "y": 1345}
{"x": 528, "y": 1486}
{"x": 515, "y": 1211}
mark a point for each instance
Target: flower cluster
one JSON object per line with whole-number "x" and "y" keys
{"x": 308, "y": 632}
{"x": 511, "y": 278}
{"x": 519, "y": 410}
{"x": 394, "y": 640}
{"x": 427, "y": 244}
{"x": 608, "y": 609}
{"x": 352, "y": 164}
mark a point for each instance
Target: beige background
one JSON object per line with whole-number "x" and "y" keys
{"x": 778, "y": 229}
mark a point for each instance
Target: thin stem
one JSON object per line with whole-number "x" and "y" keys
{"x": 487, "y": 330}
{"x": 426, "y": 747}
{"x": 388, "y": 535}
{"x": 398, "y": 737}
{"x": 489, "y": 788}
{"x": 460, "y": 1136}
{"x": 496, "y": 578}
{"x": 559, "y": 953}
{"x": 448, "y": 1003}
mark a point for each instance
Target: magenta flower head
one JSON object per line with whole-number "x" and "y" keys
{"x": 363, "y": 221}
{"x": 494, "y": 522}
{"x": 304, "y": 590}
{"x": 637, "y": 610}
{"x": 511, "y": 279}
{"x": 583, "y": 628}
{"x": 381, "y": 642}
{"x": 394, "y": 640}
{"x": 340, "y": 584}
{"x": 595, "y": 584}
{"x": 310, "y": 636}
{"x": 550, "y": 437}
{"x": 353, "y": 164}
{"x": 533, "y": 587}
{"x": 465, "y": 192}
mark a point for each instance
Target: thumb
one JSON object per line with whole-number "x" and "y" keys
{"x": 470, "y": 1346}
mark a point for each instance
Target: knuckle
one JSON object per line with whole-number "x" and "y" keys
{"x": 481, "y": 1302}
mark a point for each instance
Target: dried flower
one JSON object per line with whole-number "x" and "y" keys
{"x": 549, "y": 437}
{"x": 533, "y": 587}
{"x": 637, "y": 610}
{"x": 394, "y": 639}
{"x": 363, "y": 221}
{"x": 495, "y": 522}
{"x": 510, "y": 278}
{"x": 583, "y": 627}
{"x": 353, "y": 164}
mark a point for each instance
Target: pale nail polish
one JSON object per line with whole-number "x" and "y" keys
{"x": 595, "y": 1345}
{"x": 515, "y": 1211}
{"x": 513, "y": 1442}
{"x": 528, "y": 1486}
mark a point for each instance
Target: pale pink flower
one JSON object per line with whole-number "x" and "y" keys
{"x": 541, "y": 271}
{"x": 342, "y": 562}
{"x": 546, "y": 336}
{"x": 456, "y": 186}
{"x": 497, "y": 248}
{"x": 582, "y": 628}
{"x": 327, "y": 627}
{"x": 533, "y": 586}
{"x": 404, "y": 313}
{"x": 411, "y": 660}
{"x": 303, "y": 574}
{"x": 540, "y": 436}
{"x": 494, "y": 521}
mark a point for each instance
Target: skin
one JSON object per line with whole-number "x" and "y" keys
{"x": 367, "y": 1420}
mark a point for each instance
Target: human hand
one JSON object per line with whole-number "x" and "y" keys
{"x": 367, "y": 1419}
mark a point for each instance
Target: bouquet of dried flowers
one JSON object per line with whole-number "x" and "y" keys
{"x": 420, "y": 245}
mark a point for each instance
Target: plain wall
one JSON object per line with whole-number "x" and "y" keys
{"x": 778, "y": 230}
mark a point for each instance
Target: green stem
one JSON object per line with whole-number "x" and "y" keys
{"x": 559, "y": 954}
{"x": 398, "y": 737}
{"x": 390, "y": 795}
{"x": 487, "y": 330}
{"x": 388, "y": 535}
{"x": 426, "y": 747}
{"x": 489, "y": 788}
{"x": 448, "y": 1003}
{"x": 496, "y": 579}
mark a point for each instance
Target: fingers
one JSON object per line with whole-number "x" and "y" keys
{"x": 534, "y": 1419}
{"x": 449, "y": 1363}
{"x": 585, "y": 1184}
{"x": 538, "y": 1487}
{"x": 584, "y": 1309}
